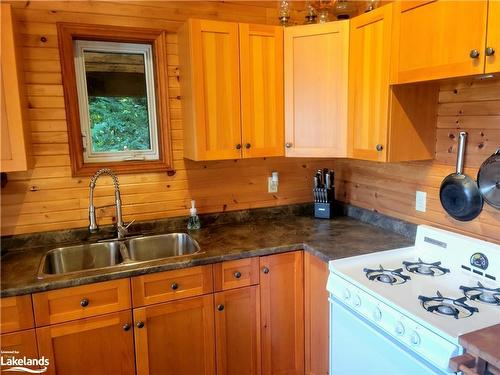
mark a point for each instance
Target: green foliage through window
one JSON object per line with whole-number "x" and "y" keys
{"x": 119, "y": 123}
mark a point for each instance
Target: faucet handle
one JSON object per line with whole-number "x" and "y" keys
{"x": 129, "y": 224}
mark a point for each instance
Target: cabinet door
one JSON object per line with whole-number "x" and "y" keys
{"x": 436, "y": 40}
{"x": 98, "y": 345}
{"x": 176, "y": 337}
{"x": 493, "y": 40}
{"x": 15, "y": 140}
{"x": 316, "y": 309}
{"x": 23, "y": 342}
{"x": 237, "y": 331}
{"x": 369, "y": 61}
{"x": 282, "y": 313}
{"x": 16, "y": 313}
{"x": 261, "y": 64}
{"x": 210, "y": 64}
{"x": 316, "y": 68}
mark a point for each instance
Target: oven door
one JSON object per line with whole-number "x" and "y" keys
{"x": 358, "y": 347}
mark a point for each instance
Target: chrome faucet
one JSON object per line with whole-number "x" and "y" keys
{"x": 121, "y": 228}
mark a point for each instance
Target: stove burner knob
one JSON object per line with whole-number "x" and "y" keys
{"x": 400, "y": 329}
{"x": 347, "y": 295}
{"x": 357, "y": 301}
{"x": 415, "y": 338}
{"x": 377, "y": 314}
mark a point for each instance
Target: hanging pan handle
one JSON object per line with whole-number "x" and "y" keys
{"x": 462, "y": 138}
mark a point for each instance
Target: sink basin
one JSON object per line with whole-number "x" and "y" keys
{"x": 161, "y": 246}
{"x": 80, "y": 258}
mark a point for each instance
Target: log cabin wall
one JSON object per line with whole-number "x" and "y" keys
{"x": 48, "y": 198}
{"x": 468, "y": 104}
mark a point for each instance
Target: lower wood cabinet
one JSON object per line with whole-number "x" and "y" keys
{"x": 176, "y": 337}
{"x": 282, "y": 313}
{"x": 23, "y": 342}
{"x": 268, "y": 316}
{"x": 237, "y": 331}
{"x": 98, "y": 345}
{"x": 317, "y": 311}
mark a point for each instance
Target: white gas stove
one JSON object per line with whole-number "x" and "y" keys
{"x": 403, "y": 310}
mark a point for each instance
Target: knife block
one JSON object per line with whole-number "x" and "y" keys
{"x": 323, "y": 210}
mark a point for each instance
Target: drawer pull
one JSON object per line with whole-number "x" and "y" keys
{"x": 220, "y": 307}
{"x": 126, "y": 327}
{"x": 490, "y": 51}
{"x": 265, "y": 270}
{"x": 174, "y": 286}
{"x": 474, "y": 54}
{"x": 140, "y": 324}
{"x": 237, "y": 274}
{"x": 84, "y": 302}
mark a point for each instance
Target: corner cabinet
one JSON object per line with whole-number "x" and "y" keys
{"x": 316, "y": 69}
{"x": 15, "y": 135}
{"x": 444, "y": 39}
{"x": 387, "y": 124}
{"x": 231, "y": 78}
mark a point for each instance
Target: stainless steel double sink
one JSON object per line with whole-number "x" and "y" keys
{"x": 103, "y": 255}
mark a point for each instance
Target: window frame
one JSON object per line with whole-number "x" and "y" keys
{"x": 146, "y": 51}
{"x": 67, "y": 34}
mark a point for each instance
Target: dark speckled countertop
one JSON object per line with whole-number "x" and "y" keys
{"x": 341, "y": 237}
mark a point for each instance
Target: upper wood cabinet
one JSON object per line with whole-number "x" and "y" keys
{"x": 385, "y": 123}
{"x": 231, "y": 79}
{"x": 443, "y": 39}
{"x": 493, "y": 38}
{"x": 282, "y": 313}
{"x": 176, "y": 337}
{"x": 316, "y": 70}
{"x": 15, "y": 133}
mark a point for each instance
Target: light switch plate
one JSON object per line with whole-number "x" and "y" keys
{"x": 421, "y": 201}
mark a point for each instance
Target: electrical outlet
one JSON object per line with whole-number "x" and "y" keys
{"x": 272, "y": 187}
{"x": 421, "y": 201}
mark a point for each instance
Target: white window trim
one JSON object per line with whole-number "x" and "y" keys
{"x": 81, "y": 46}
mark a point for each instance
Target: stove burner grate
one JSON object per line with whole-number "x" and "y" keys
{"x": 423, "y": 268}
{"x": 392, "y": 277}
{"x": 482, "y": 294}
{"x": 447, "y": 306}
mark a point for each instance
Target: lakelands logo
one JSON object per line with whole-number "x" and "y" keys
{"x": 22, "y": 364}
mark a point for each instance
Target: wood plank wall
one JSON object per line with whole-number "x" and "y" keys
{"x": 467, "y": 104}
{"x": 48, "y": 198}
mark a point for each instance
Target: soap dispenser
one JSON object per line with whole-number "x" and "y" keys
{"x": 194, "y": 220}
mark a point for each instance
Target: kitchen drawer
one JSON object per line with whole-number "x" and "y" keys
{"x": 79, "y": 302}
{"x": 16, "y": 313}
{"x": 171, "y": 285}
{"x": 236, "y": 273}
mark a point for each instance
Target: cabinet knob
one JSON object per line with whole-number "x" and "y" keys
{"x": 237, "y": 274}
{"x": 140, "y": 324}
{"x": 84, "y": 302}
{"x": 474, "y": 54}
{"x": 288, "y": 145}
{"x": 248, "y": 145}
{"x": 126, "y": 327}
{"x": 174, "y": 286}
{"x": 265, "y": 270}
{"x": 220, "y": 307}
{"x": 490, "y": 51}
{"x": 379, "y": 147}
{"x": 238, "y": 146}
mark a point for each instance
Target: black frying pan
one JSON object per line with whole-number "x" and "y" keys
{"x": 459, "y": 194}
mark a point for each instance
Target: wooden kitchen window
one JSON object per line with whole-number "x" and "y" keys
{"x": 116, "y": 96}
